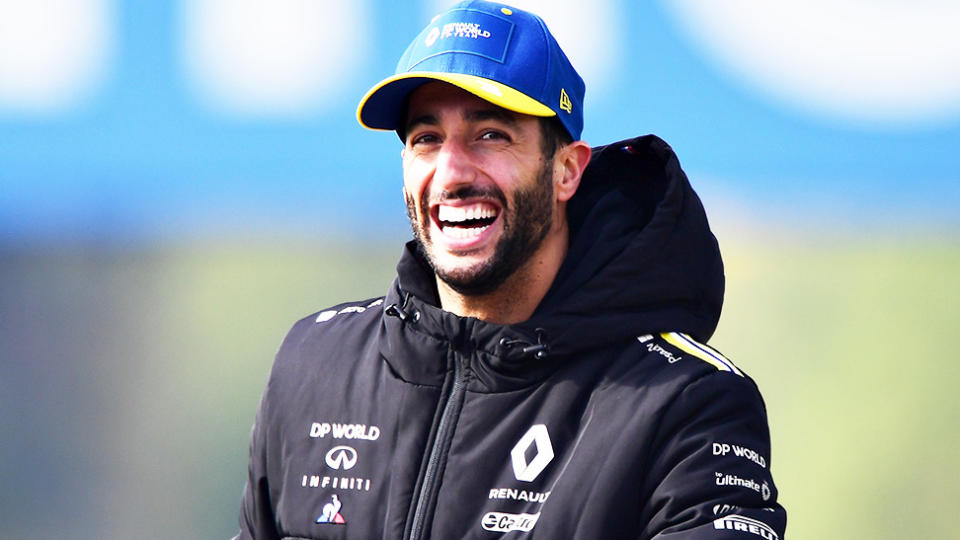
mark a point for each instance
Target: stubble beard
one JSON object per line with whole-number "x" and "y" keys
{"x": 525, "y": 226}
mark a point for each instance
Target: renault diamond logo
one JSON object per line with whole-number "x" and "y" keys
{"x": 528, "y": 472}
{"x": 341, "y": 458}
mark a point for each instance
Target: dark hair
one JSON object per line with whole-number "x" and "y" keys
{"x": 553, "y": 136}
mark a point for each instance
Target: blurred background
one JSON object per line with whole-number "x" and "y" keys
{"x": 180, "y": 181}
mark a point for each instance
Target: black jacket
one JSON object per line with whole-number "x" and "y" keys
{"x": 603, "y": 416}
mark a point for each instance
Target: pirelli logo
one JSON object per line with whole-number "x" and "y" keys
{"x": 740, "y": 523}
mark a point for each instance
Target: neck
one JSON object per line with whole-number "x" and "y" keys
{"x": 516, "y": 299}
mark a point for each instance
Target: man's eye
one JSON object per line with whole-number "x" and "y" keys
{"x": 425, "y": 138}
{"x": 494, "y": 136}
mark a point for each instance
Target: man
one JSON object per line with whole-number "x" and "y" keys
{"x": 538, "y": 367}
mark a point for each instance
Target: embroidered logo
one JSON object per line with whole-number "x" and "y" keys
{"x": 565, "y": 103}
{"x": 331, "y": 512}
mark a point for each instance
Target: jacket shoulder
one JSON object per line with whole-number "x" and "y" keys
{"x": 689, "y": 356}
{"x": 710, "y": 453}
{"x": 314, "y": 337}
{"x": 336, "y": 318}
{"x": 693, "y": 376}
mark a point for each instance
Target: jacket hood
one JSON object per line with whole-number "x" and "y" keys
{"x": 642, "y": 256}
{"x": 641, "y": 260}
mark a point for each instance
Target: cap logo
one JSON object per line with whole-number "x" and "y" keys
{"x": 456, "y": 29}
{"x": 565, "y": 102}
{"x": 464, "y": 29}
{"x": 432, "y": 37}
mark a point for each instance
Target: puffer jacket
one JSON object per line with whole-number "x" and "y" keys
{"x": 605, "y": 415}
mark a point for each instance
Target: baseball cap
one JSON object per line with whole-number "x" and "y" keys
{"x": 501, "y": 54}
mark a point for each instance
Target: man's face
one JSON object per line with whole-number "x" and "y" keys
{"x": 479, "y": 192}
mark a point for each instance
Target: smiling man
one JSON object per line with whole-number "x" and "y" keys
{"x": 486, "y": 198}
{"x": 539, "y": 365}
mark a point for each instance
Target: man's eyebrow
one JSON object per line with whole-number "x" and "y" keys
{"x": 502, "y": 115}
{"x": 425, "y": 119}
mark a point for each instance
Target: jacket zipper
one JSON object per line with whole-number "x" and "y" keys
{"x": 438, "y": 451}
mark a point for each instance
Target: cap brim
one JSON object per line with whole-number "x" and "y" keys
{"x": 383, "y": 106}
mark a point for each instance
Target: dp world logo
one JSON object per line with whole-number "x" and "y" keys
{"x": 341, "y": 458}
{"x": 528, "y": 471}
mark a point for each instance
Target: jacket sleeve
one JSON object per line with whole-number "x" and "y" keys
{"x": 710, "y": 476}
{"x": 256, "y": 510}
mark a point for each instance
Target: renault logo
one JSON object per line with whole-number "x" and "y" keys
{"x": 529, "y": 471}
{"x": 341, "y": 458}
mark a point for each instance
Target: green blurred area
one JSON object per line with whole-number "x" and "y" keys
{"x": 129, "y": 378}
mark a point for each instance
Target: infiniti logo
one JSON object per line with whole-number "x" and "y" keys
{"x": 341, "y": 458}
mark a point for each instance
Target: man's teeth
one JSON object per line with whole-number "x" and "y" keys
{"x": 462, "y": 232}
{"x": 456, "y": 214}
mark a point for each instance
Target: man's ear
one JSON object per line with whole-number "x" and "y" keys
{"x": 571, "y": 161}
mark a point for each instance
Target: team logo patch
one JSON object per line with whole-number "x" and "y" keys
{"x": 331, "y": 512}
{"x": 463, "y": 31}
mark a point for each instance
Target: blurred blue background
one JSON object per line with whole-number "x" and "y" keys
{"x": 180, "y": 181}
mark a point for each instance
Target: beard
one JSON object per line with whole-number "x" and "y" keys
{"x": 525, "y": 225}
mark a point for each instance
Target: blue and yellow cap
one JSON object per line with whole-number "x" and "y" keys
{"x": 501, "y": 54}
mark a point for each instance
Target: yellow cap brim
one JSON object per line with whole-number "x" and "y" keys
{"x": 380, "y": 106}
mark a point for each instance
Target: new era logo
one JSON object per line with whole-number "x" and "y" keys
{"x": 565, "y": 103}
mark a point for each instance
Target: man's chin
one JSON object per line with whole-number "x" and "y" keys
{"x": 473, "y": 279}
{"x": 459, "y": 275}
{"x": 461, "y": 262}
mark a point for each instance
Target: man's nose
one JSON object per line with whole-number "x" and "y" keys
{"x": 454, "y": 166}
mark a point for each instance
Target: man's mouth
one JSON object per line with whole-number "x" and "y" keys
{"x": 466, "y": 221}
